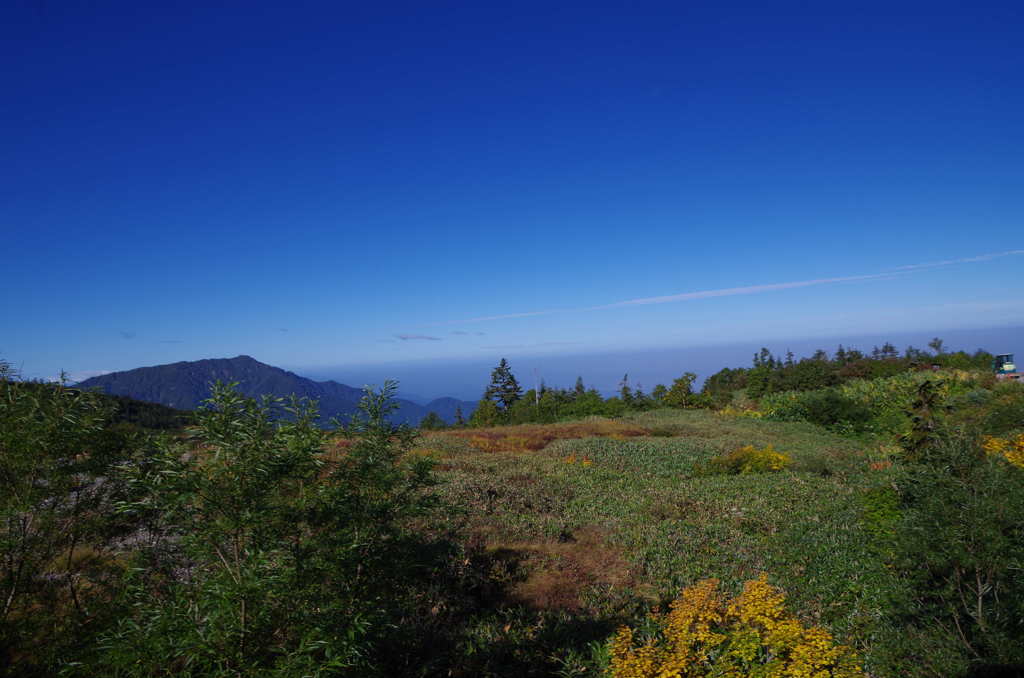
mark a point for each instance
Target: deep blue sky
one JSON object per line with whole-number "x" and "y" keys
{"x": 343, "y": 185}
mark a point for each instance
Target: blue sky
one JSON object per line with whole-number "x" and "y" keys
{"x": 341, "y": 185}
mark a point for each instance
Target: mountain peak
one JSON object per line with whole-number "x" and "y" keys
{"x": 184, "y": 385}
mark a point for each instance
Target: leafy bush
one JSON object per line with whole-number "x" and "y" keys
{"x": 264, "y": 556}
{"x": 1005, "y": 412}
{"x": 749, "y": 459}
{"x": 831, "y": 409}
{"x": 875, "y": 405}
{"x": 960, "y": 547}
{"x": 56, "y": 542}
{"x": 750, "y": 635}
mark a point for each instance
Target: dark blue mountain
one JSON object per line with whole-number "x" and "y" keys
{"x": 184, "y": 385}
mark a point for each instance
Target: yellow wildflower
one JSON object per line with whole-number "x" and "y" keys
{"x": 751, "y": 635}
{"x": 1010, "y": 450}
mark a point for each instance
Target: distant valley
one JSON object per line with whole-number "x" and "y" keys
{"x": 184, "y": 385}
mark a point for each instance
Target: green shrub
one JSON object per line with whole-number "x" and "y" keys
{"x": 56, "y": 537}
{"x": 873, "y": 405}
{"x": 1005, "y": 412}
{"x": 266, "y": 556}
{"x": 960, "y": 548}
{"x": 831, "y": 409}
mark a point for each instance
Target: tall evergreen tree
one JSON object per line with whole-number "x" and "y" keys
{"x": 580, "y": 388}
{"x": 504, "y": 389}
{"x": 625, "y": 392}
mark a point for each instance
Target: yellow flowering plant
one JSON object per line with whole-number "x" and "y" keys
{"x": 751, "y": 635}
{"x": 750, "y": 459}
{"x": 1010, "y": 449}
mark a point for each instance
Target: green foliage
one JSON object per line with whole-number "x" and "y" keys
{"x": 960, "y": 548}
{"x": 486, "y": 414}
{"x": 152, "y": 416}
{"x": 267, "y": 557}
{"x": 925, "y": 419}
{"x": 681, "y": 394}
{"x": 433, "y": 421}
{"x": 876, "y": 405}
{"x": 828, "y": 408}
{"x": 55, "y": 544}
{"x": 881, "y": 518}
{"x": 770, "y": 375}
{"x": 1005, "y": 411}
{"x": 127, "y": 413}
{"x": 831, "y": 409}
{"x": 503, "y": 390}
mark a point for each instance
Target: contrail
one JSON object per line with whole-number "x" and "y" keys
{"x": 966, "y": 260}
{"x": 733, "y": 291}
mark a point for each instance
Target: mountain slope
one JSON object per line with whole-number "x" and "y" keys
{"x": 184, "y": 385}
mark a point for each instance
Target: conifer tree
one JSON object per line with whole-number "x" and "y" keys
{"x": 625, "y": 392}
{"x": 504, "y": 389}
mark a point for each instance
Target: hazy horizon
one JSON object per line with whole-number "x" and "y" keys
{"x": 468, "y": 378}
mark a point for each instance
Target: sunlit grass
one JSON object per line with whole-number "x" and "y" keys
{"x": 646, "y": 505}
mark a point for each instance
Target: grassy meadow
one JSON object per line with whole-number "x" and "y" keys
{"x": 873, "y": 528}
{"x": 590, "y": 524}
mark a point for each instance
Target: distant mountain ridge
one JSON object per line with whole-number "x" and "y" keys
{"x": 184, "y": 385}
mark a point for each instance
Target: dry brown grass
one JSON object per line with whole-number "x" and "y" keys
{"x": 557, "y": 573}
{"x": 533, "y": 437}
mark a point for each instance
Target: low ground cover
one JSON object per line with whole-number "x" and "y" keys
{"x": 618, "y": 524}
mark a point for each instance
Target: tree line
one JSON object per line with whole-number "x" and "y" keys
{"x": 505, "y": 402}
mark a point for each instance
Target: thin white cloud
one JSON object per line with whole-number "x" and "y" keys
{"x": 541, "y": 344}
{"x": 965, "y": 260}
{"x": 506, "y": 316}
{"x": 751, "y": 289}
{"x": 732, "y": 291}
{"x": 416, "y": 337}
